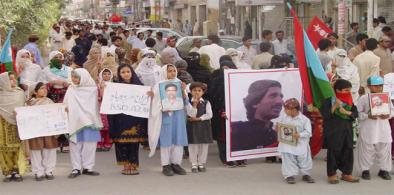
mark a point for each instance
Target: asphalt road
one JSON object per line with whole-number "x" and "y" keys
{"x": 257, "y": 178}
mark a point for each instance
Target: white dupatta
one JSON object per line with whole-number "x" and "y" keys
{"x": 155, "y": 118}
{"x": 82, "y": 104}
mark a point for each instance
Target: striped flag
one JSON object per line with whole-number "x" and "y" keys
{"x": 315, "y": 83}
{"x": 6, "y": 64}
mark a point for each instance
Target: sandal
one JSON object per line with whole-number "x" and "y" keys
{"x": 8, "y": 178}
{"x": 130, "y": 172}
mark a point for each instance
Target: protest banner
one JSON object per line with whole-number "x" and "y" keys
{"x": 126, "y": 99}
{"x": 40, "y": 121}
{"x": 254, "y": 99}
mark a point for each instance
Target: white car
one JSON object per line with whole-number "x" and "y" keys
{"x": 166, "y": 32}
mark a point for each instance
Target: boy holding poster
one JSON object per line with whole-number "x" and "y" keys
{"x": 43, "y": 149}
{"x": 375, "y": 132}
{"x": 296, "y": 157}
{"x": 168, "y": 125}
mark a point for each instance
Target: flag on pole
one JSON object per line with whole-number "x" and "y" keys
{"x": 317, "y": 31}
{"x": 315, "y": 83}
{"x": 6, "y": 64}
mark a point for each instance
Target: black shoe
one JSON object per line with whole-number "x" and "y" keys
{"x": 49, "y": 176}
{"x": 91, "y": 173}
{"x": 231, "y": 164}
{"x": 167, "y": 170}
{"x": 194, "y": 169}
{"x": 201, "y": 168}
{"x": 384, "y": 175}
{"x": 290, "y": 180}
{"x": 8, "y": 178}
{"x": 39, "y": 178}
{"x": 308, "y": 179}
{"x": 366, "y": 175}
{"x": 16, "y": 177}
{"x": 74, "y": 173}
{"x": 178, "y": 169}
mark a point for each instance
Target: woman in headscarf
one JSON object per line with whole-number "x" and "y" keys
{"x": 12, "y": 158}
{"x": 109, "y": 61}
{"x": 29, "y": 73}
{"x": 183, "y": 75}
{"x": 205, "y": 62}
{"x": 93, "y": 64}
{"x": 133, "y": 57}
{"x": 236, "y": 58}
{"x": 168, "y": 56}
{"x": 217, "y": 97}
{"x": 69, "y": 58}
{"x": 196, "y": 70}
{"x": 345, "y": 69}
{"x": 84, "y": 122}
{"x": 58, "y": 78}
{"x": 126, "y": 131}
{"x": 148, "y": 71}
{"x": 121, "y": 56}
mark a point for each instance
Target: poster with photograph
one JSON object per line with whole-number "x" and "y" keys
{"x": 379, "y": 104}
{"x": 171, "y": 96}
{"x": 254, "y": 99}
{"x": 285, "y": 133}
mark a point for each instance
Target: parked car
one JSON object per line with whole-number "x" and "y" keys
{"x": 166, "y": 32}
{"x": 185, "y": 44}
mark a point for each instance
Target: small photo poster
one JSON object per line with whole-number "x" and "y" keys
{"x": 171, "y": 96}
{"x": 379, "y": 104}
{"x": 285, "y": 133}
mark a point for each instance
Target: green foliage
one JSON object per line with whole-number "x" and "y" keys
{"x": 29, "y": 16}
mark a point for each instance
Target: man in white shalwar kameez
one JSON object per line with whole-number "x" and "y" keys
{"x": 374, "y": 136}
{"x": 213, "y": 50}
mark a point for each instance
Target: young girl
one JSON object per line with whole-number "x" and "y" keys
{"x": 199, "y": 130}
{"x": 295, "y": 158}
{"x": 105, "y": 143}
{"x": 169, "y": 127}
{"x": 42, "y": 149}
{"x": 12, "y": 158}
{"x": 127, "y": 131}
{"x": 84, "y": 122}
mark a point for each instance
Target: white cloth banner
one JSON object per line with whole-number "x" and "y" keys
{"x": 40, "y": 121}
{"x": 254, "y": 100}
{"x": 126, "y": 99}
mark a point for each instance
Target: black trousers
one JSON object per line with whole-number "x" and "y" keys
{"x": 222, "y": 150}
{"x": 127, "y": 153}
{"x": 340, "y": 154}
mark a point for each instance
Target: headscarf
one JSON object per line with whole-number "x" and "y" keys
{"x": 134, "y": 77}
{"x": 10, "y": 98}
{"x": 155, "y": 118}
{"x": 198, "y": 72}
{"x": 183, "y": 75}
{"x": 225, "y": 58}
{"x": 101, "y": 75}
{"x": 55, "y": 63}
{"x": 205, "y": 62}
{"x": 82, "y": 111}
{"x": 168, "y": 56}
{"x": 92, "y": 65}
{"x": 235, "y": 56}
{"x": 69, "y": 58}
{"x": 346, "y": 70}
{"x": 110, "y": 63}
{"x": 19, "y": 60}
{"x": 121, "y": 55}
{"x": 30, "y": 73}
{"x": 148, "y": 71}
{"x": 133, "y": 55}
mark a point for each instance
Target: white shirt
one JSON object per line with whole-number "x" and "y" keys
{"x": 137, "y": 43}
{"x": 214, "y": 52}
{"x": 372, "y": 131}
{"x": 160, "y": 45}
{"x": 280, "y": 47}
{"x": 368, "y": 64}
{"x": 68, "y": 44}
{"x": 192, "y": 112}
{"x": 112, "y": 49}
{"x": 248, "y": 53}
{"x": 304, "y": 128}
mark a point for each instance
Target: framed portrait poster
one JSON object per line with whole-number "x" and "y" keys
{"x": 379, "y": 103}
{"x": 171, "y": 96}
{"x": 285, "y": 133}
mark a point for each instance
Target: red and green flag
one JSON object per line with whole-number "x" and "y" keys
{"x": 6, "y": 62}
{"x": 315, "y": 83}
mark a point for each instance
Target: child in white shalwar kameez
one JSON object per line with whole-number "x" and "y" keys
{"x": 296, "y": 158}
{"x": 374, "y": 135}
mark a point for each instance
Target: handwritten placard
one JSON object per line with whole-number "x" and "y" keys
{"x": 126, "y": 99}
{"x": 40, "y": 121}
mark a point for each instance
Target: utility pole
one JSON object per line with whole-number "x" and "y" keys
{"x": 341, "y": 22}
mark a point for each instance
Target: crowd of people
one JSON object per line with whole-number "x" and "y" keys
{"x": 84, "y": 58}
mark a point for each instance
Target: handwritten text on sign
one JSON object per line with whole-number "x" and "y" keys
{"x": 127, "y": 99}
{"x": 40, "y": 121}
